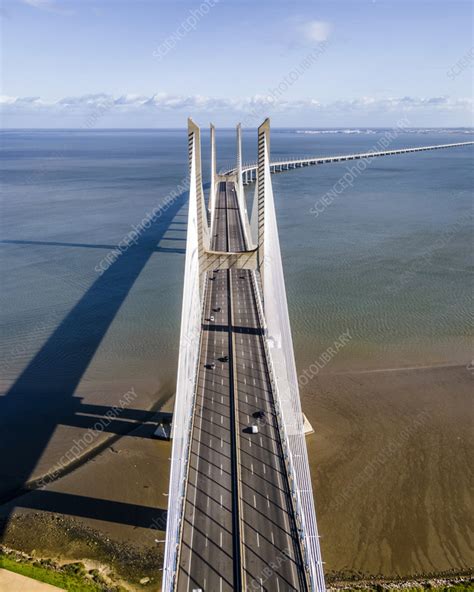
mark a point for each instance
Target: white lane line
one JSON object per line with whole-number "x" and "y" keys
{"x": 258, "y": 540}
{"x": 195, "y": 492}
{"x": 254, "y": 501}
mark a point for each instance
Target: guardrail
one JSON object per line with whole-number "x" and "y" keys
{"x": 315, "y": 582}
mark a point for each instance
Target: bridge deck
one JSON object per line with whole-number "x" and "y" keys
{"x": 239, "y": 530}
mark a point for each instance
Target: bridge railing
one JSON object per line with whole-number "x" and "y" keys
{"x": 185, "y": 390}
{"x": 308, "y": 538}
{"x": 280, "y": 353}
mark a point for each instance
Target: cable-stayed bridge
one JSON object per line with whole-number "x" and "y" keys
{"x": 241, "y": 513}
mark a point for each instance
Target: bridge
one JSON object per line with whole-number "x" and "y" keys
{"x": 241, "y": 513}
{"x": 249, "y": 171}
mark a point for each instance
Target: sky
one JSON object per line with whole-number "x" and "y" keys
{"x": 153, "y": 63}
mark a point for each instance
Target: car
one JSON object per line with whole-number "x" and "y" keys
{"x": 224, "y": 359}
{"x": 211, "y": 318}
{"x": 217, "y": 309}
{"x": 210, "y": 366}
{"x": 259, "y": 414}
{"x": 254, "y": 429}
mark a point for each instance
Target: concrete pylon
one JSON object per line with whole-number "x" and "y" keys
{"x": 240, "y": 190}
{"x": 213, "y": 189}
{"x": 239, "y": 154}
{"x": 196, "y": 192}
{"x": 263, "y": 177}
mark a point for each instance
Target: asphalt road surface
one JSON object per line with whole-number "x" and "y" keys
{"x": 239, "y": 531}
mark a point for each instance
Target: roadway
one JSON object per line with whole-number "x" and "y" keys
{"x": 227, "y": 234}
{"x": 239, "y": 531}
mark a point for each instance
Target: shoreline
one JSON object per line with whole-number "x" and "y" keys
{"x": 355, "y": 419}
{"x": 103, "y": 574}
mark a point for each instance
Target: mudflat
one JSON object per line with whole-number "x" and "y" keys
{"x": 391, "y": 475}
{"x": 391, "y": 471}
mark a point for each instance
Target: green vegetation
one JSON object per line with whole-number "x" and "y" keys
{"x": 462, "y": 586}
{"x": 72, "y": 577}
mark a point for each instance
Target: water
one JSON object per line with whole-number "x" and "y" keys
{"x": 389, "y": 259}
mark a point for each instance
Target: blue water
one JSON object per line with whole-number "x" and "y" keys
{"x": 390, "y": 258}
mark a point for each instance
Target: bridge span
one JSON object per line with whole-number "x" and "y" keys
{"x": 241, "y": 510}
{"x": 238, "y": 515}
{"x": 249, "y": 171}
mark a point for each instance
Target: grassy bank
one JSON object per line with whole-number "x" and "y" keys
{"x": 72, "y": 576}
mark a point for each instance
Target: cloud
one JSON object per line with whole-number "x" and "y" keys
{"x": 6, "y": 100}
{"x": 170, "y": 102}
{"x": 165, "y": 110}
{"x": 47, "y": 5}
{"x": 315, "y": 31}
